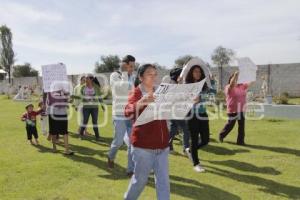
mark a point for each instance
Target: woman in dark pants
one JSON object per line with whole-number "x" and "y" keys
{"x": 176, "y": 124}
{"x": 236, "y": 107}
{"x": 198, "y": 119}
{"x": 91, "y": 97}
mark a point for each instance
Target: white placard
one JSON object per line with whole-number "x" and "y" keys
{"x": 247, "y": 70}
{"x": 172, "y": 101}
{"x": 55, "y": 77}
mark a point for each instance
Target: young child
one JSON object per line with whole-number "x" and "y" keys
{"x": 30, "y": 118}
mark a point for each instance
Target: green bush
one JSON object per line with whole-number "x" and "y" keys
{"x": 282, "y": 99}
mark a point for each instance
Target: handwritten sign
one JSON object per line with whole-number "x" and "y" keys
{"x": 247, "y": 70}
{"x": 55, "y": 77}
{"x": 172, "y": 101}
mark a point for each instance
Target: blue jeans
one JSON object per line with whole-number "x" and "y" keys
{"x": 175, "y": 124}
{"x": 122, "y": 126}
{"x": 146, "y": 160}
{"x": 86, "y": 112}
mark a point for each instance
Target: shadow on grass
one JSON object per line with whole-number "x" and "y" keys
{"x": 195, "y": 189}
{"x": 87, "y": 151}
{"x": 177, "y": 154}
{"x": 247, "y": 167}
{"x": 101, "y": 165}
{"x": 275, "y": 120}
{"x": 218, "y": 150}
{"x": 85, "y": 155}
{"x": 273, "y": 149}
{"x": 43, "y": 149}
{"x": 267, "y": 186}
{"x": 212, "y": 140}
{"x": 104, "y": 141}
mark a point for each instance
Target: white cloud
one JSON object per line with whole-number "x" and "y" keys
{"x": 153, "y": 31}
{"x": 16, "y": 12}
{"x": 78, "y": 47}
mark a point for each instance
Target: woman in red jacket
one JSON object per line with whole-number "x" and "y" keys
{"x": 150, "y": 141}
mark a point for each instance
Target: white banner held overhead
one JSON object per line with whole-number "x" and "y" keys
{"x": 172, "y": 101}
{"x": 247, "y": 70}
{"x": 55, "y": 78}
{"x": 203, "y": 66}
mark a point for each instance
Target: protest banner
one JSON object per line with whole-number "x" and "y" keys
{"x": 55, "y": 78}
{"x": 247, "y": 70}
{"x": 172, "y": 101}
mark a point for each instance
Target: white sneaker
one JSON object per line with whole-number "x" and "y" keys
{"x": 188, "y": 153}
{"x": 199, "y": 169}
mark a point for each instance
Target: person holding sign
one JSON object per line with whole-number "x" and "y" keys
{"x": 149, "y": 141}
{"x": 56, "y": 99}
{"x": 57, "y": 109}
{"x": 236, "y": 107}
{"x": 198, "y": 119}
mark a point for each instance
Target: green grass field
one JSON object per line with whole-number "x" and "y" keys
{"x": 295, "y": 101}
{"x": 268, "y": 168}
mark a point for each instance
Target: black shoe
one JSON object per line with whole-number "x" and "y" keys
{"x": 241, "y": 143}
{"x": 129, "y": 174}
{"x": 110, "y": 163}
{"x": 68, "y": 153}
{"x": 221, "y": 139}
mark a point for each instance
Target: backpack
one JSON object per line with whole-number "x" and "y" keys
{"x": 174, "y": 73}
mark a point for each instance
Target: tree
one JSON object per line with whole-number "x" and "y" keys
{"x": 24, "y": 71}
{"x": 7, "y": 56}
{"x": 107, "y": 64}
{"x": 2, "y": 76}
{"x": 221, "y": 57}
{"x": 182, "y": 60}
{"x": 159, "y": 66}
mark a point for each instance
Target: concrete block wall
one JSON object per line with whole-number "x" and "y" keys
{"x": 283, "y": 78}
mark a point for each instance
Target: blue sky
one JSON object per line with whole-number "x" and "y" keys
{"x": 77, "y": 33}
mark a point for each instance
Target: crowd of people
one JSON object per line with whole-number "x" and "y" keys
{"x": 25, "y": 92}
{"x": 148, "y": 144}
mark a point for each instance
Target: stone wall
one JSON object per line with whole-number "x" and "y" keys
{"x": 283, "y": 78}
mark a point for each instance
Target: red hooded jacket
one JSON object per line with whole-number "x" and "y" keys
{"x": 152, "y": 135}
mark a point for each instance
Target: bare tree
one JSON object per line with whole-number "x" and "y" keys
{"x": 182, "y": 60}
{"x": 221, "y": 56}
